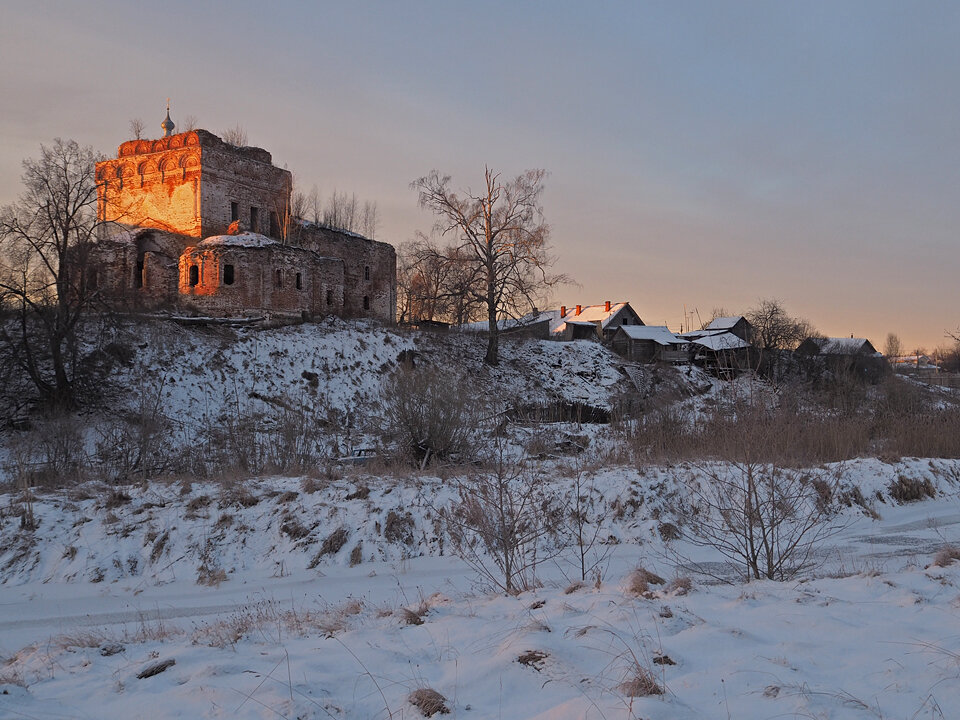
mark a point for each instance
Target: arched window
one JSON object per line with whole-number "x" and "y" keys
{"x": 299, "y": 282}
{"x": 329, "y": 297}
{"x": 228, "y": 274}
{"x": 366, "y": 302}
{"x": 366, "y": 272}
{"x": 194, "y": 275}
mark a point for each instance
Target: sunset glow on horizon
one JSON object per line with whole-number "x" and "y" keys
{"x": 700, "y": 155}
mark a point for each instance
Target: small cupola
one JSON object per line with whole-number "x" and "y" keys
{"x": 167, "y": 124}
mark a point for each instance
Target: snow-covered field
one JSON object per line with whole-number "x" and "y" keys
{"x": 107, "y": 588}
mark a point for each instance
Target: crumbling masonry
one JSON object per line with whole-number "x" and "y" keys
{"x": 198, "y": 225}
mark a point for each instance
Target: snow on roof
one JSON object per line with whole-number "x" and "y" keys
{"x": 722, "y": 341}
{"x": 724, "y": 323}
{"x": 589, "y": 314}
{"x": 513, "y": 323}
{"x": 245, "y": 239}
{"x": 842, "y": 345}
{"x": 658, "y": 333}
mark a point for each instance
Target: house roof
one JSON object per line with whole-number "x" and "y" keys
{"x": 533, "y": 318}
{"x": 724, "y": 323}
{"x": 844, "y": 346}
{"x": 592, "y": 314}
{"x": 657, "y": 333}
{"x": 721, "y": 341}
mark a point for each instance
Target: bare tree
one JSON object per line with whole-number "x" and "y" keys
{"x": 313, "y": 206}
{"x": 189, "y": 123}
{"x": 893, "y": 348}
{"x": 501, "y": 240}
{"x": 236, "y": 136}
{"x": 369, "y": 219}
{"x": 436, "y": 283}
{"x": 45, "y": 240}
{"x": 340, "y": 212}
{"x": 136, "y": 128}
{"x": 774, "y": 331}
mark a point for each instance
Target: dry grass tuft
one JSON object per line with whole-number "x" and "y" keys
{"x": 333, "y": 543}
{"x": 640, "y": 580}
{"x": 641, "y": 684}
{"x": 680, "y": 586}
{"x": 533, "y": 658}
{"x": 907, "y": 489}
{"x": 429, "y": 702}
{"x": 411, "y": 617}
{"x": 573, "y": 587}
{"x": 946, "y": 556}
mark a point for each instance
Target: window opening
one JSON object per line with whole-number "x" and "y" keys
{"x": 234, "y": 211}
{"x": 194, "y": 275}
{"x": 299, "y": 282}
{"x": 279, "y": 280}
{"x": 255, "y": 219}
{"x": 366, "y": 302}
{"x": 366, "y": 272}
{"x": 138, "y": 280}
{"x": 228, "y": 274}
{"x": 329, "y": 297}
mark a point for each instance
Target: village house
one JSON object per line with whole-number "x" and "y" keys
{"x": 650, "y": 343}
{"x": 851, "y": 356}
{"x": 593, "y": 321}
{"x": 196, "y": 225}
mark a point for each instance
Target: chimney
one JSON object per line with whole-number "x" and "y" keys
{"x": 606, "y": 306}
{"x": 563, "y": 310}
{"x": 578, "y": 309}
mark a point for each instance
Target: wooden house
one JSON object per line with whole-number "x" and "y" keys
{"x": 650, "y": 343}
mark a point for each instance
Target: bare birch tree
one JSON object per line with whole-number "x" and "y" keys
{"x": 500, "y": 238}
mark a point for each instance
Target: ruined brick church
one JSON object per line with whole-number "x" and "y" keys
{"x": 196, "y": 225}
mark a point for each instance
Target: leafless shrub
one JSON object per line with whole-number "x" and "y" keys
{"x": 583, "y": 523}
{"x": 766, "y": 519}
{"x": 356, "y": 555}
{"x": 236, "y": 136}
{"x": 429, "y": 702}
{"x": 431, "y": 414}
{"x": 946, "y": 555}
{"x": 500, "y": 523}
{"x": 763, "y": 518}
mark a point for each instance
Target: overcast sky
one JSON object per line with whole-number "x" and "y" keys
{"x": 701, "y": 154}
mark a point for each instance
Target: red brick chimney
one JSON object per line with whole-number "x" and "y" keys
{"x": 563, "y": 310}
{"x": 607, "y": 306}
{"x": 578, "y": 309}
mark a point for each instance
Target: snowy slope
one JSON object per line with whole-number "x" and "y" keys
{"x": 872, "y": 635}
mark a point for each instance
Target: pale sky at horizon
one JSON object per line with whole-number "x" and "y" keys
{"x": 701, "y": 154}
